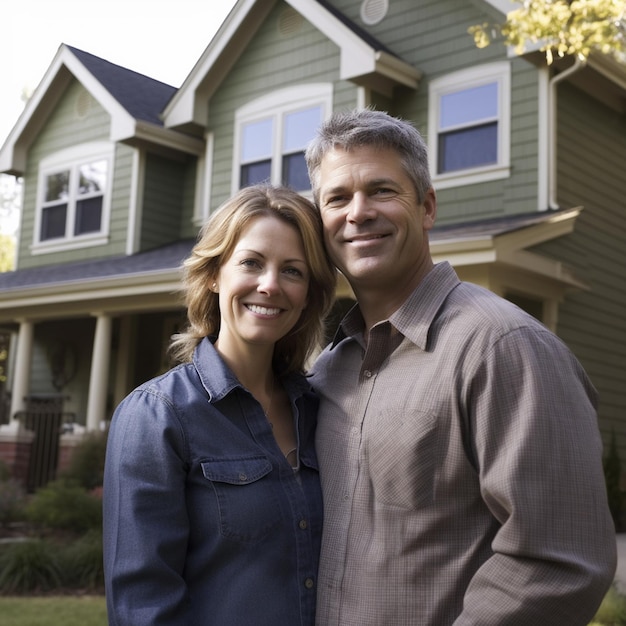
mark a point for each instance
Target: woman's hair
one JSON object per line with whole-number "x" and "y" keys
{"x": 365, "y": 127}
{"x": 216, "y": 242}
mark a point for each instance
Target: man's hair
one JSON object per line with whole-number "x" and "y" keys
{"x": 365, "y": 127}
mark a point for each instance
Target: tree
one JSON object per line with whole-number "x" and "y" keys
{"x": 7, "y": 252}
{"x": 561, "y": 27}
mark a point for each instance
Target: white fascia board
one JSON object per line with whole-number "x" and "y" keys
{"x": 160, "y": 136}
{"x": 504, "y": 6}
{"x": 13, "y": 155}
{"x": 185, "y": 107}
{"x": 358, "y": 58}
{"x": 144, "y": 283}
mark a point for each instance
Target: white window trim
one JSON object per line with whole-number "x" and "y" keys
{"x": 66, "y": 159}
{"x": 288, "y": 100}
{"x": 457, "y": 81}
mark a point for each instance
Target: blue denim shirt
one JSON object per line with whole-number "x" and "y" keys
{"x": 205, "y": 521}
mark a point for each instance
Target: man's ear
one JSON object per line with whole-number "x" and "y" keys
{"x": 430, "y": 209}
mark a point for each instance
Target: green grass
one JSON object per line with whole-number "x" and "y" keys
{"x": 53, "y": 611}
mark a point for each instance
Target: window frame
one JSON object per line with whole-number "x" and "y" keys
{"x": 71, "y": 160}
{"x": 499, "y": 73}
{"x": 276, "y": 106}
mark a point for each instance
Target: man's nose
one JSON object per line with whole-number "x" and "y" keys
{"x": 360, "y": 209}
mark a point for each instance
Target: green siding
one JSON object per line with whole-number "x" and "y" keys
{"x": 162, "y": 201}
{"x": 76, "y": 119}
{"x": 591, "y": 157}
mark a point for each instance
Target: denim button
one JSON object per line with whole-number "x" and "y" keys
{"x": 308, "y": 583}
{"x": 303, "y": 525}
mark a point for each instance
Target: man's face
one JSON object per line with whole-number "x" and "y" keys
{"x": 374, "y": 228}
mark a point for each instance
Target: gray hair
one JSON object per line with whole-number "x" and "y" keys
{"x": 365, "y": 127}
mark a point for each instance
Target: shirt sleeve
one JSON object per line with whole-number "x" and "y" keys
{"x": 145, "y": 519}
{"x": 539, "y": 457}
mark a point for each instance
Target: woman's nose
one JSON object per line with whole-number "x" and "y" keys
{"x": 268, "y": 282}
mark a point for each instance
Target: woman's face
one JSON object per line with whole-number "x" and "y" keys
{"x": 263, "y": 286}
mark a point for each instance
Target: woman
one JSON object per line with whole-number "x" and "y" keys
{"x": 212, "y": 506}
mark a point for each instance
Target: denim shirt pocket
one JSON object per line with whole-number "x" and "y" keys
{"x": 249, "y": 506}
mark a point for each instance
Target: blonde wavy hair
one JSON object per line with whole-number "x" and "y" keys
{"x": 216, "y": 242}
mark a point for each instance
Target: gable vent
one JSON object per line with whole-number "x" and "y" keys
{"x": 373, "y": 11}
{"x": 82, "y": 103}
{"x": 289, "y": 22}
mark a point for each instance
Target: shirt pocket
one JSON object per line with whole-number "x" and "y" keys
{"x": 249, "y": 508}
{"x": 402, "y": 453}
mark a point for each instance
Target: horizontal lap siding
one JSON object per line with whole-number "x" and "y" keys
{"x": 591, "y": 157}
{"x": 272, "y": 61}
{"x": 65, "y": 128}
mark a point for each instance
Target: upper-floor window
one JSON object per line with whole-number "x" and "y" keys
{"x": 272, "y": 132}
{"x": 469, "y": 125}
{"x": 73, "y": 197}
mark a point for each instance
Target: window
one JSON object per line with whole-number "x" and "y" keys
{"x": 469, "y": 125}
{"x": 272, "y": 133}
{"x": 73, "y": 196}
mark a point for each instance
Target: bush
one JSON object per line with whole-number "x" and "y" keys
{"x": 29, "y": 565}
{"x": 82, "y": 562}
{"x": 63, "y": 505}
{"x": 612, "y": 611}
{"x": 87, "y": 463}
{"x": 12, "y": 501}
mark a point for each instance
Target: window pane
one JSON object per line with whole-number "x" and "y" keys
{"x": 471, "y": 147}
{"x": 53, "y": 222}
{"x": 256, "y": 141}
{"x": 295, "y": 174}
{"x": 88, "y": 216}
{"x": 92, "y": 178}
{"x": 57, "y": 186}
{"x": 469, "y": 105}
{"x": 300, "y": 128}
{"x": 255, "y": 173}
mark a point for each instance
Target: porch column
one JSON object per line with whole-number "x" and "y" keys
{"x": 23, "y": 361}
{"x": 99, "y": 378}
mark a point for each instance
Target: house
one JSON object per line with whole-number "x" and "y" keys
{"x": 120, "y": 171}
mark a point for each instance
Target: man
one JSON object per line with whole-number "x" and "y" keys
{"x": 457, "y": 438}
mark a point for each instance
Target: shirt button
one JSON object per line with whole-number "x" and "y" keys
{"x": 303, "y": 525}
{"x": 367, "y": 373}
{"x": 308, "y": 583}
{"x": 243, "y": 477}
{"x": 346, "y": 497}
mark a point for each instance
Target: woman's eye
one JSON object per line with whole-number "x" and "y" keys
{"x": 294, "y": 271}
{"x": 252, "y": 263}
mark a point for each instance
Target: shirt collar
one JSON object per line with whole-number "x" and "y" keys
{"x": 218, "y": 379}
{"x": 415, "y": 317}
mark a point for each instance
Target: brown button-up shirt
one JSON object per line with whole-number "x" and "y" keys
{"x": 461, "y": 469}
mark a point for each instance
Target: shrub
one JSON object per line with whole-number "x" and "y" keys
{"x": 63, "y": 505}
{"x": 29, "y": 565}
{"x": 12, "y": 501}
{"x": 82, "y": 562}
{"x": 612, "y": 611}
{"x": 86, "y": 466}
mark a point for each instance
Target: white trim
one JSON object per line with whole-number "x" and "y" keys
{"x": 543, "y": 147}
{"x": 71, "y": 158}
{"x": 499, "y": 72}
{"x": 135, "y": 208}
{"x": 275, "y": 105}
{"x": 204, "y": 179}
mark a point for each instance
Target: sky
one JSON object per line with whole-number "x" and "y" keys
{"x": 162, "y": 39}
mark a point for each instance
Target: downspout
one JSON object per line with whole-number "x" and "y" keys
{"x": 552, "y": 136}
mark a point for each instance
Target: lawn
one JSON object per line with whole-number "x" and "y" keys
{"x": 53, "y": 611}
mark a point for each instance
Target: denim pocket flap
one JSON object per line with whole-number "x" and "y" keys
{"x": 236, "y": 471}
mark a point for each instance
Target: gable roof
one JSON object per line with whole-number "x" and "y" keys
{"x": 363, "y": 59}
{"x": 133, "y": 101}
{"x": 141, "y": 96}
